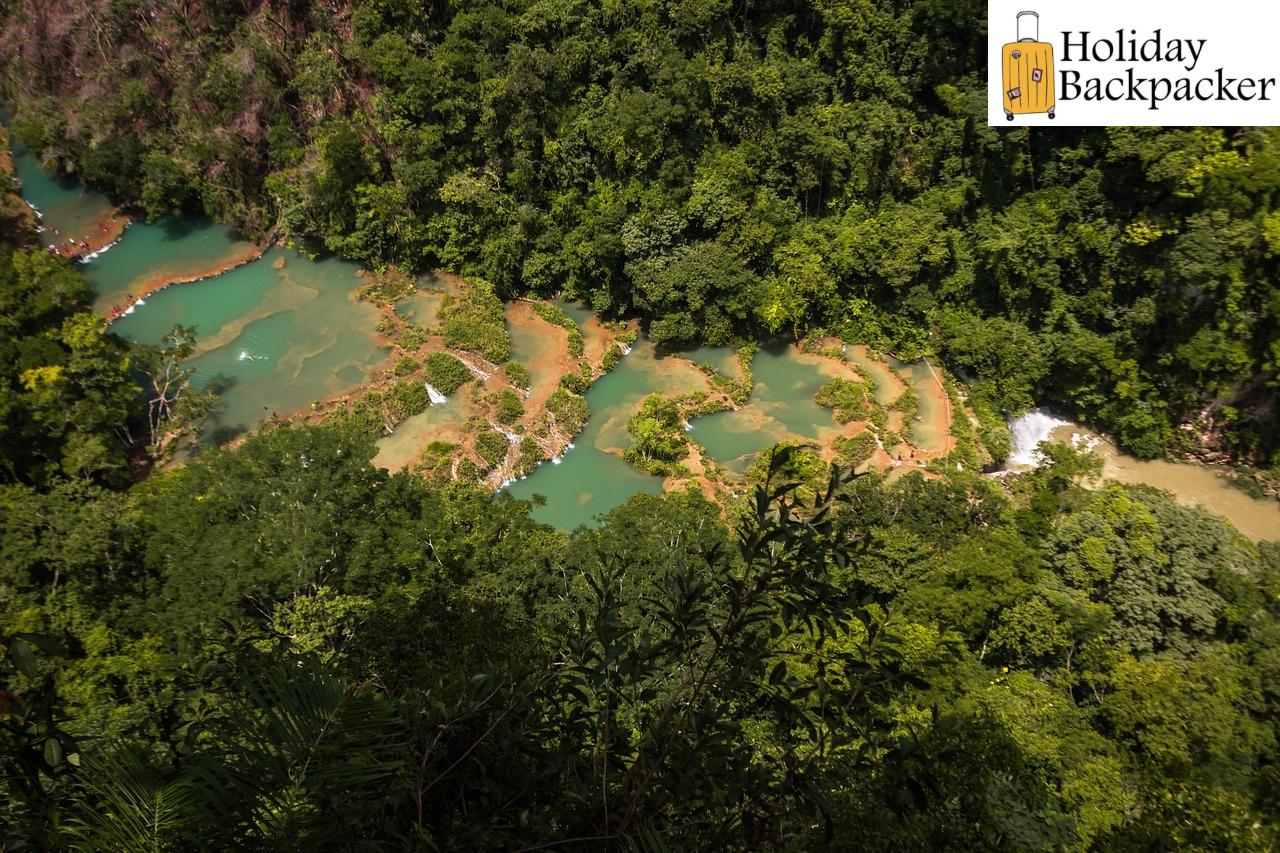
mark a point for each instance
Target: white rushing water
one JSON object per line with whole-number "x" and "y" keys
{"x": 84, "y": 259}
{"x": 482, "y": 375}
{"x": 437, "y": 399}
{"x": 1028, "y": 430}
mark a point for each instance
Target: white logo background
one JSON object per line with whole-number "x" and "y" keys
{"x": 1242, "y": 38}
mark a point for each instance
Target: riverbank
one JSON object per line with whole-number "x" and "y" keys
{"x": 99, "y": 235}
{"x": 17, "y": 217}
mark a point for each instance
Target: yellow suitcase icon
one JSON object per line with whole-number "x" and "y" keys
{"x": 1028, "y": 72}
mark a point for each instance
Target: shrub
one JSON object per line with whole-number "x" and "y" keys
{"x": 446, "y": 373}
{"x": 847, "y": 397}
{"x": 517, "y": 373}
{"x": 855, "y": 450}
{"x": 510, "y": 408}
{"x": 436, "y": 462}
{"x": 569, "y": 410}
{"x": 407, "y": 365}
{"x": 577, "y": 381}
{"x": 658, "y": 432}
{"x": 908, "y": 403}
{"x": 529, "y": 457}
{"x": 491, "y": 446}
{"x": 411, "y": 337}
{"x": 386, "y": 287}
{"x": 476, "y": 322}
{"x": 407, "y": 398}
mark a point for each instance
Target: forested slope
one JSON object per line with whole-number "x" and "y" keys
{"x": 723, "y": 169}
{"x": 281, "y": 647}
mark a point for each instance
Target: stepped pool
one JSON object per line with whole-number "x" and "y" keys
{"x": 591, "y": 478}
{"x": 281, "y": 331}
{"x": 273, "y": 335}
{"x": 780, "y": 408}
{"x": 150, "y": 255}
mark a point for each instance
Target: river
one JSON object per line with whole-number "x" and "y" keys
{"x": 281, "y": 330}
{"x": 275, "y": 331}
{"x": 1190, "y": 483}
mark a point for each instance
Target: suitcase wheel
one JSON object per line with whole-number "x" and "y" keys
{"x": 1050, "y": 113}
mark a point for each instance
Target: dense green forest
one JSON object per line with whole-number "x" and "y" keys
{"x": 723, "y": 169}
{"x": 282, "y": 647}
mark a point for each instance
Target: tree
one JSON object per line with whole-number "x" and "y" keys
{"x": 174, "y": 407}
{"x": 657, "y": 434}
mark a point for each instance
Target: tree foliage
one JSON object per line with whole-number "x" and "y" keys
{"x": 724, "y": 175}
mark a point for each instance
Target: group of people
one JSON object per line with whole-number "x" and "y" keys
{"x": 116, "y": 310}
{"x": 69, "y": 247}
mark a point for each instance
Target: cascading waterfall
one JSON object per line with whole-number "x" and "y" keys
{"x": 437, "y": 399}
{"x": 482, "y": 375}
{"x": 1027, "y": 431}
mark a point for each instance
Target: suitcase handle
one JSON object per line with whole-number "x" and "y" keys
{"x": 1036, "y": 16}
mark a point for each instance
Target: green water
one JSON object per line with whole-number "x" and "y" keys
{"x": 422, "y": 308}
{"x": 578, "y": 311}
{"x": 781, "y": 407}
{"x": 589, "y": 480}
{"x": 63, "y": 202}
{"x": 723, "y": 359}
{"x": 149, "y": 253}
{"x": 929, "y": 429}
{"x": 888, "y": 383}
{"x": 442, "y": 422}
{"x": 270, "y": 340}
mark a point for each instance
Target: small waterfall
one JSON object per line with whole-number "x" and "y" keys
{"x": 475, "y": 371}
{"x": 84, "y": 259}
{"x": 556, "y": 460}
{"x": 626, "y": 350}
{"x": 1028, "y": 430}
{"x": 437, "y": 399}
